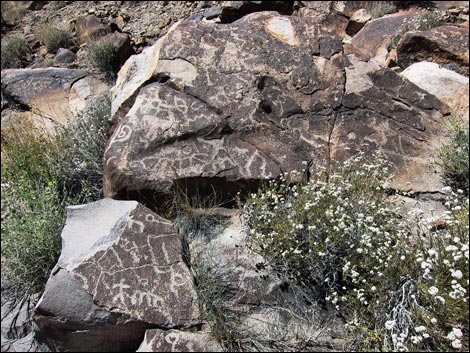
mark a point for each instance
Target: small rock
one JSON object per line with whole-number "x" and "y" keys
{"x": 89, "y": 28}
{"x": 64, "y": 56}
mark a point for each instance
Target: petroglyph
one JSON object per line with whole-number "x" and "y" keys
{"x": 140, "y": 272}
{"x": 257, "y": 97}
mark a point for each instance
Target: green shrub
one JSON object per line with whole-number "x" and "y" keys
{"x": 41, "y": 174}
{"x": 12, "y": 11}
{"x": 53, "y": 37}
{"x": 102, "y": 56}
{"x": 15, "y": 50}
{"x": 30, "y": 234}
{"x": 453, "y": 157}
{"x": 342, "y": 240}
{"x": 81, "y": 153}
{"x": 429, "y": 20}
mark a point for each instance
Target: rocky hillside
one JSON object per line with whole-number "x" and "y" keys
{"x": 210, "y": 101}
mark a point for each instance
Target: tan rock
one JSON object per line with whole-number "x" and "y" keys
{"x": 445, "y": 45}
{"x": 450, "y": 87}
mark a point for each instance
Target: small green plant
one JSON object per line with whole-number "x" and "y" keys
{"x": 53, "y": 37}
{"x": 102, "y": 56}
{"x": 339, "y": 237}
{"x": 453, "y": 156}
{"x": 15, "y": 50}
{"x": 429, "y": 20}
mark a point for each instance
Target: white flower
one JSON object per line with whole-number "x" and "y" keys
{"x": 441, "y": 299}
{"x": 432, "y": 252}
{"x": 420, "y": 329}
{"x": 433, "y": 291}
{"x": 434, "y": 320}
{"x": 456, "y": 344}
{"x": 457, "y": 274}
{"x": 457, "y": 332}
{"x": 390, "y": 324}
{"x": 451, "y": 248}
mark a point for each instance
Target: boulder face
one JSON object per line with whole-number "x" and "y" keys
{"x": 50, "y": 97}
{"x": 226, "y": 103}
{"x": 449, "y": 86}
{"x": 445, "y": 45}
{"x": 381, "y": 110}
{"x": 120, "y": 272}
{"x": 257, "y": 97}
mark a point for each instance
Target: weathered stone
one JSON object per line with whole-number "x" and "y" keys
{"x": 46, "y": 95}
{"x": 85, "y": 92}
{"x": 357, "y": 21}
{"x": 449, "y": 86}
{"x": 42, "y": 91}
{"x": 367, "y": 44}
{"x": 89, "y": 28}
{"x": 225, "y": 113}
{"x": 383, "y": 111}
{"x": 230, "y": 258}
{"x": 132, "y": 75}
{"x": 122, "y": 44}
{"x": 178, "y": 341}
{"x": 35, "y": 5}
{"x": 270, "y": 99}
{"x": 17, "y": 332}
{"x": 120, "y": 272}
{"x": 64, "y": 56}
{"x": 445, "y": 45}
{"x": 348, "y": 8}
{"x": 416, "y": 209}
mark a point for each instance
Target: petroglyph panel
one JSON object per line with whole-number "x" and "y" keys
{"x": 258, "y": 97}
{"x": 229, "y": 101}
{"x": 140, "y": 273}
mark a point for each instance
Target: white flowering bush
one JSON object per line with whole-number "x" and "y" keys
{"x": 340, "y": 237}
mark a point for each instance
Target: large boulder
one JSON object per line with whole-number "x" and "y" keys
{"x": 120, "y": 272}
{"x": 49, "y": 97}
{"x": 374, "y": 40}
{"x": 445, "y": 45}
{"x": 450, "y": 87}
{"x": 224, "y": 111}
{"x": 267, "y": 101}
{"x": 382, "y": 111}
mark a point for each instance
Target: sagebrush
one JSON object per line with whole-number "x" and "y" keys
{"x": 41, "y": 175}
